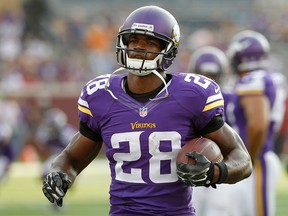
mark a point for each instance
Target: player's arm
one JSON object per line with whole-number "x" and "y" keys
{"x": 235, "y": 167}
{"x": 68, "y": 164}
{"x": 257, "y": 114}
{"x": 76, "y": 156}
{"x": 236, "y": 156}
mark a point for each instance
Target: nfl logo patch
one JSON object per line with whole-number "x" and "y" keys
{"x": 143, "y": 111}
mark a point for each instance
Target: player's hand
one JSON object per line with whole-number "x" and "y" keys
{"x": 55, "y": 186}
{"x": 199, "y": 174}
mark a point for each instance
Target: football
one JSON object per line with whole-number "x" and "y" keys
{"x": 205, "y": 146}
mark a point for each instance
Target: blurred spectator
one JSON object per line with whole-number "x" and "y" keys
{"x": 10, "y": 131}
{"x": 6, "y": 149}
{"x": 10, "y": 32}
{"x": 36, "y": 19}
{"x": 97, "y": 40}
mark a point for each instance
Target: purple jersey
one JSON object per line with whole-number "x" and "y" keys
{"x": 229, "y": 102}
{"x": 254, "y": 83}
{"x": 142, "y": 139}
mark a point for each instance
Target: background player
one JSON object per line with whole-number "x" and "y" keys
{"x": 144, "y": 117}
{"x": 254, "y": 107}
{"x": 280, "y": 117}
{"x": 52, "y": 136}
{"x": 212, "y": 62}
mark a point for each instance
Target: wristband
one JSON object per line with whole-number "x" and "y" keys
{"x": 223, "y": 172}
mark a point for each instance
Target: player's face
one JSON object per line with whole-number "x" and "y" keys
{"x": 144, "y": 43}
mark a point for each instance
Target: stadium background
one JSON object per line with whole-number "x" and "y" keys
{"x": 50, "y": 48}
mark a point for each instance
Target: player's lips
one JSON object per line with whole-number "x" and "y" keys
{"x": 136, "y": 56}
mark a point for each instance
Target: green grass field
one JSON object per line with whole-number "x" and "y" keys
{"x": 21, "y": 193}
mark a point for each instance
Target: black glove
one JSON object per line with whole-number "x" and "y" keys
{"x": 199, "y": 174}
{"x": 55, "y": 186}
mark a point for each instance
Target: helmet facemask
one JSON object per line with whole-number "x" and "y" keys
{"x": 143, "y": 67}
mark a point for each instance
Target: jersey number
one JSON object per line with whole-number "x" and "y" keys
{"x": 199, "y": 80}
{"x": 94, "y": 85}
{"x": 157, "y": 156}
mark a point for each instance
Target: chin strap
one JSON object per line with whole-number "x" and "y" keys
{"x": 107, "y": 82}
{"x": 165, "y": 84}
{"x": 117, "y": 71}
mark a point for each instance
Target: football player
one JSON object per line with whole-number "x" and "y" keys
{"x": 144, "y": 116}
{"x": 52, "y": 136}
{"x": 253, "y": 117}
{"x": 213, "y": 63}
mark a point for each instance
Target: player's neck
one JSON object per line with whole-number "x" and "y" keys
{"x": 144, "y": 84}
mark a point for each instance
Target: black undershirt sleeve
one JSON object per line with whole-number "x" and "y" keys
{"x": 87, "y": 132}
{"x": 216, "y": 123}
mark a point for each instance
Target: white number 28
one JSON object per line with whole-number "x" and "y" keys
{"x": 134, "y": 154}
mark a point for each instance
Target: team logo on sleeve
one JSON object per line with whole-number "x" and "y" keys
{"x": 143, "y": 112}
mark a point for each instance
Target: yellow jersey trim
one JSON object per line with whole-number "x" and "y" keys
{"x": 85, "y": 110}
{"x": 212, "y": 105}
